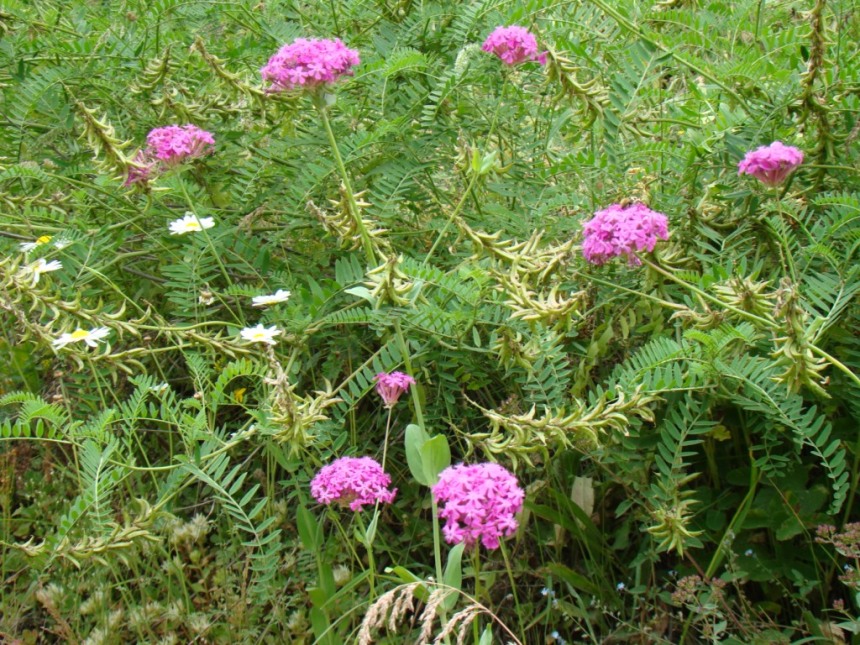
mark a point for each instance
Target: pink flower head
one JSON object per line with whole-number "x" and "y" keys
{"x": 353, "y": 481}
{"x": 622, "y": 230}
{"x": 139, "y": 170}
{"x": 173, "y": 144}
{"x": 309, "y": 63}
{"x": 513, "y": 45}
{"x": 478, "y": 502}
{"x": 391, "y": 386}
{"x": 771, "y": 164}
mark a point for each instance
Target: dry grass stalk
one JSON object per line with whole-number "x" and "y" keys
{"x": 463, "y": 619}
{"x": 398, "y": 601}
{"x": 428, "y": 616}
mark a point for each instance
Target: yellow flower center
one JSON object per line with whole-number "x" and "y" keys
{"x": 79, "y": 334}
{"x": 192, "y": 226}
{"x": 259, "y": 336}
{"x": 43, "y": 240}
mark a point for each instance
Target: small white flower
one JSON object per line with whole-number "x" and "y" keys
{"x": 61, "y": 244}
{"x": 260, "y": 334}
{"x": 35, "y": 270}
{"x": 26, "y": 247}
{"x": 190, "y": 224}
{"x": 160, "y": 388}
{"x": 89, "y": 337}
{"x": 281, "y": 295}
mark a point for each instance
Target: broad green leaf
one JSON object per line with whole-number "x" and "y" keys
{"x": 309, "y": 530}
{"x": 415, "y": 440}
{"x": 435, "y": 457}
{"x": 453, "y": 576}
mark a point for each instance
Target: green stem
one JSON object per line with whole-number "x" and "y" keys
{"x": 752, "y": 317}
{"x": 702, "y": 294}
{"x": 407, "y": 363}
{"x": 451, "y": 218}
{"x": 513, "y": 588}
{"x": 476, "y": 568}
{"x": 472, "y": 181}
{"x": 350, "y": 196}
{"x": 368, "y": 544}
{"x": 835, "y": 363}
{"x": 387, "y": 430}
{"x": 211, "y": 245}
{"x": 437, "y": 540}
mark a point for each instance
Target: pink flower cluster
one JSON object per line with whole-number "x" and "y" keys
{"x": 513, "y": 45}
{"x": 391, "y": 386}
{"x": 309, "y": 63}
{"x": 622, "y": 230}
{"x": 478, "y": 503}
{"x": 173, "y": 144}
{"x": 771, "y": 164}
{"x": 167, "y": 147}
{"x": 353, "y": 482}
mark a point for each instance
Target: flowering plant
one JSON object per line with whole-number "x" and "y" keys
{"x": 391, "y": 386}
{"x": 309, "y": 63}
{"x": 771, "y": 164}
{"x": 353, "y": 482}
{"x": 513, "y": 45}
{"x": 478, "y": 502}
{"x": 174, "y": 144}
{"x": 622, "y": 230}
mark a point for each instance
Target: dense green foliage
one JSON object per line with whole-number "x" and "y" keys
{"x": 681, "y": 427}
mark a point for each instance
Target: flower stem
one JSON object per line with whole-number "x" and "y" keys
{"x": 385, "y": 443}
{"x": 347, "y": 186}
{"x": 513, "y": 588}
{"x": 239, "y": 317}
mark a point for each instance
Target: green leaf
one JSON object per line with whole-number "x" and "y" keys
{"x": 309, "y": 530}
{"x": 453, "y": 576}
{"x": 415, "y": 440}
{"x": 435, "y": 457}
{"x": 486, "y": 636}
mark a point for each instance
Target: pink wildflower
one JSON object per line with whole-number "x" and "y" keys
{"x": 622, "y": 230}
{"x": 391, "y": 386}
{"x": 353, "y": 481}
{"x": 513, "y": 45}
{"x": 139, "y": 170}
{"x": 173, "y": 144}
{"x": 478, "y": 503}
{"x": 771, "y": 164}
{"x": 309, "y": 63}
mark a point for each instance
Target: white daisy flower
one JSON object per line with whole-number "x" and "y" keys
{"x": 281, "y": 295}
{"x": 260, "y": 334}
{"x": 35, "y": 270}
{"x": 89, "y": 337}
{"x": 61, "y": 244}
{"x": 26, "y": 247}
{"x": 190, "y": 224}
